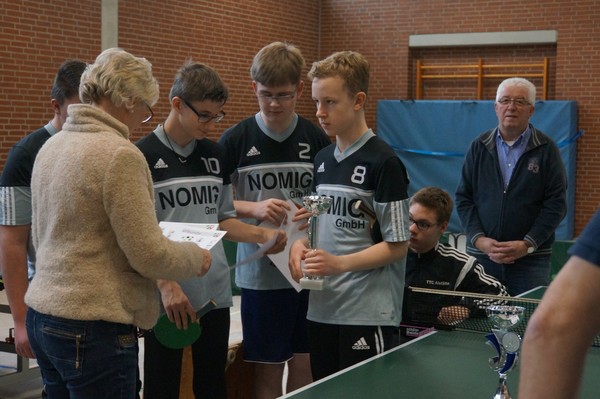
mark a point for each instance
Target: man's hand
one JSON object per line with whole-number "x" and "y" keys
{"x": 22, "y": 346}
{"x": 177, "y": 305}
{"x": 302, "y": 214}
{"x": 485, "y": 244}
{"x": 453, "y": 314}
{"x": 280, "y": 243}
{"x": 272, "y": 210}
{"x": 318, "y": 262}
{"x": 507, "y": 252}
{"x": 297, "y": 253}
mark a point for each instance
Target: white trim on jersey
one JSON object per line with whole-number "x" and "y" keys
{"x": 277, "y": 165}
{"x": 180, "y": 180}
{"x": 345, "y": 189}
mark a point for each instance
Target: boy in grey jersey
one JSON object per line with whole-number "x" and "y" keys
{"x": 272, "y": 155}
{"x": 16, "y": 250}
{"x": 191, "y": 184}
{"x": 353, "y": 317}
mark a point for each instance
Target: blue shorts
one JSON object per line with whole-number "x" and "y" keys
{"x": 274, "y": 324}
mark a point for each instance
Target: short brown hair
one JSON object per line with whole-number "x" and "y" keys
{"x": 199, "y": 82}
{"x": 436, "y": 199}
{"x": 277, "y": 64}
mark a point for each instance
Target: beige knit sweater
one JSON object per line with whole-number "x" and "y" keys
{"x": 99, "y": 247}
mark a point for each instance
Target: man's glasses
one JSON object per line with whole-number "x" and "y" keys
{"x": 205, "y": 117}
{"x": 280, "y": 98}
{"x": 421, "y": 224}
{"x": 150, "y": 114}
{"x": 519, "y": 102}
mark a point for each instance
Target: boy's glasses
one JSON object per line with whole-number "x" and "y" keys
{"x": 205, "y": 117}
{"x": 280, "y": 98}
{"x": 421, "y": 224}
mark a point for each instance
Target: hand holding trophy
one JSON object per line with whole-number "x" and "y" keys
{"x": 316, "y": 205}
{"x": 507, "y": 343}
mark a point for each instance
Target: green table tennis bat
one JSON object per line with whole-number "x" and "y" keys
{"x": 170, "y": 336}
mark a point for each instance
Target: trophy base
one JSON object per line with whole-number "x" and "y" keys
{"x": 502, "y": 391}
{"x": 312, "y": 283}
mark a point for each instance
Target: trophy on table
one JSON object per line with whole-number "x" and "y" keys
{"x": 507, "y": 343}
{"x": 316, "y": 205}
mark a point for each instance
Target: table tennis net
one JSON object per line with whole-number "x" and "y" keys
{"x": 461, "y": 310}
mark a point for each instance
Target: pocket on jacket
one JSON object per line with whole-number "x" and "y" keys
{"x": 138, "y": 292}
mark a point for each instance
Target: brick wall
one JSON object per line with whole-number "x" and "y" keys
{"x": 35, "y": 37}
{"x": 34, "y": 40}
{"x": 380, "y": 30}
{"x": 223, "y": 34}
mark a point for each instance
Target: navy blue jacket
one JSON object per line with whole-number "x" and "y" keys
{"x": 531, "y": 207}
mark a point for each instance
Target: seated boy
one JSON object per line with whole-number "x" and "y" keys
{"x": 431, "y": 264}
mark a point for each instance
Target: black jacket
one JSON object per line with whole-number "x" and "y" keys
{"x": 445, "y": 268}
{"x": 531, "y": 207}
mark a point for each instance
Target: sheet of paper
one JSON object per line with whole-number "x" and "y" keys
{"x": 203, "y": 234}
{"x": 281, "y": 260}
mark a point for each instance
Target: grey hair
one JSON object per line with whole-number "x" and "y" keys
{"x": 518, "y": 82}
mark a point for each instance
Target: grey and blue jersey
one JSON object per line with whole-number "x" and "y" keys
{"x": 193, "y": 189}
{"x": 371, "y": 172}
{"x": 15, "y": 184}
{"x": 269, "y": 165}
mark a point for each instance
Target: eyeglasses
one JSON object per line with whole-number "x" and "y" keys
{"x": 205, "y": 117}
{"x": 421, "y": 224}
{"x": 519, "y": 102}
{"x": 280, "y": 98}
{"x": 150, "y": 114}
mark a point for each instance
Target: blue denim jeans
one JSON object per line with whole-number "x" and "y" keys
{"x": 84, "y": 359}
{"x": 525, "y": 274}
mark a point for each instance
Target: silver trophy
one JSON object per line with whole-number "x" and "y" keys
{"x": 506, "y": 343}
{"x": 316, "y": 205}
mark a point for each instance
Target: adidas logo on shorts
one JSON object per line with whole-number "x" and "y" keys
{"x": 361, "y": 344}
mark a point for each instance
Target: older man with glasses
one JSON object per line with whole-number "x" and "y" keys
{"x": 512, "y": 193}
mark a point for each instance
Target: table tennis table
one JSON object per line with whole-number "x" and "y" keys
{"x": 441, "y": 364}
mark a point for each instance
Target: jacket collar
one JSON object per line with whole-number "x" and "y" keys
{"x": 536, "y": 139}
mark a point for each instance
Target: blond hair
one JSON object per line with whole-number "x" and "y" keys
{"x": 351, "y": 66}
{"x": 120, "y": 77}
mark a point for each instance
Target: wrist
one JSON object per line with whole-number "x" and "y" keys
{"x": 476, "y": 238}
{"x": 163, "y": 284}
{"x": 529, "y": 248}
